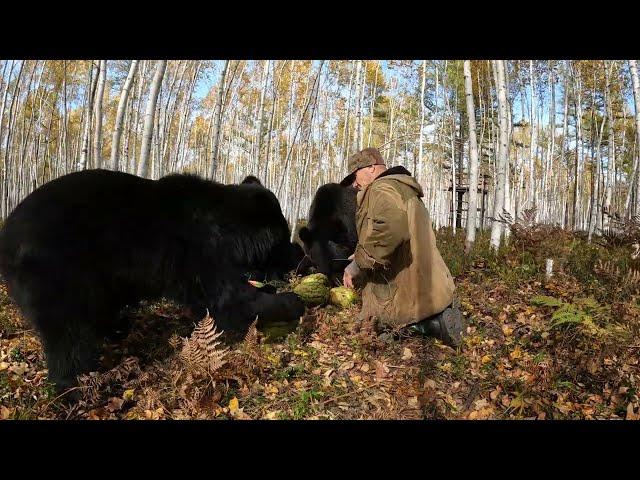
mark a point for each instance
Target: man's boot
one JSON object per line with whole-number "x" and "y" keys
{"x": 447, "y": 326}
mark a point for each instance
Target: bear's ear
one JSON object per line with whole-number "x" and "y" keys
{"x": 305, "y": 235}
{"x": 251, "y": 179}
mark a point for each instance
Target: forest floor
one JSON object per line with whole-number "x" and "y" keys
{"x": 566, "y": 347}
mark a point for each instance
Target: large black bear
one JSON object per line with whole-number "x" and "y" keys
{"x": 292, "y": 260}
{"x": 330, "y": 235}
{"x": 81, "y": 247}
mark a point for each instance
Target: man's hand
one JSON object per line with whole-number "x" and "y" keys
{"x": 350, "y": 273}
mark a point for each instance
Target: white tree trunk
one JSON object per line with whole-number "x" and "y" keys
{"x": 611, "y": 160}
{"x": 534, "y": 137}
{"x": 633, "y": 67}
{"x": 346, "y": 131}
{"x": 147, "y": 133}
{"x": 4, "y": 102}
{"x": 421, "y": 140}
{"x": 372, "y": 104}
{"x": 260, "y": 116}
{"x": 218, "y": 120}
{"x": 122, "y": 103}
{"x": 496, "y": 228}
{"x": 473, "y": 158}
{"x": 88, "y": 112}
{"x": 360, "y": 71}
{"x": 97, "y": 145}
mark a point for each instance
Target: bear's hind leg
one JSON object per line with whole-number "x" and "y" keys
{"x": 70, "y": 350}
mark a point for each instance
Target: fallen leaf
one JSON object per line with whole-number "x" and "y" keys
{"x": 100, "y": 413}
{"x": 631, "y": 415}
{"x": 413, "y": 402}
{"x": 270, "y": 389}
{"x": 271, "y": 415}
{"x": 517, "y": 353}
{"x": 494, "y": 394}
{"x": 507, "y": 330}
{"x": 115, "y": 404}
{"x": 5, "y": 412}
{"x": 347, "y": 365}
{"x": 516, "y": 402}
{"x": 128, "y": 394}
{"x": 381, "y": 370}
{"x": 233, "y": 405}
{"x": 300, "y": 384}
{"x": 365, "y": 367}
{"x": 406, "y": 354}
{"x": 3, "y": 366}
{"x": 486, "y": 359}
{"x": 19, "y": 369}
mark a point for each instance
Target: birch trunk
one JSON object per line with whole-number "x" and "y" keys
{"x": 633, "y": 67}
{"x": 93, "y": 82}
{"x": 218, "y": 120}
{"x": 420, "y": 144}
{"x": 147, "y": 133}
{"x": 473, "y": 159}
{"x": 260, "y": 116}
{"x": 496, "y": 228}
{"x": 359, "y": 89}
{"x": 122, "y": 103}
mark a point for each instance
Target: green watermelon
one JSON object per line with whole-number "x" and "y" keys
{"x": 313, "y": 289}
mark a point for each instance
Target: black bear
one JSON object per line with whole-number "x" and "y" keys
{"x": 289, "y": 261}
{"x": 81, "y": 247}
{"x": 330, "y": 235}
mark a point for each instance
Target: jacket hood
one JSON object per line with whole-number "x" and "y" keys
{"x": 401, "y": 174}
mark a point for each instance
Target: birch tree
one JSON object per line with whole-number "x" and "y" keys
{"x": 359, "y": 91}
{"x": 97, "y": 146}
{"x": 534, "y": 136}
{"x": 633, "y": 68}
{"x": 473, "y": 159}
{"x": 93, "y": 82}
{"x": 122, "y": 104}
{"x": 503, "y": 152}
{"x": 147, "y": 133}
{"x": 218, "y": 119}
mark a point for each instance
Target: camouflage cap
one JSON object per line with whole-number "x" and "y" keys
{"x": 364, "y": 158}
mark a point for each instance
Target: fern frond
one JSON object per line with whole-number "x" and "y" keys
{"x": 546, "y": 301}
{"x": 200, "y": 352}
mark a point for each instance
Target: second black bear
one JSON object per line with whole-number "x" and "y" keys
{"x": 81, "y": 247}
{"x": 330, "y": 235}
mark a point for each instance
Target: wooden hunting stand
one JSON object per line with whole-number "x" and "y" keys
{"x": 462, "y": 203}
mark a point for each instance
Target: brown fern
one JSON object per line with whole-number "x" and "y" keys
{"x": 201, "y": 352}
{"x": 174, "y": 341}
{"x": 607, "y": 269}
{"x": 612, "y": 272}
{"x": 251, "y": 339}
{"x": 92, "y": 384}
{"x": 251, "y": 347}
